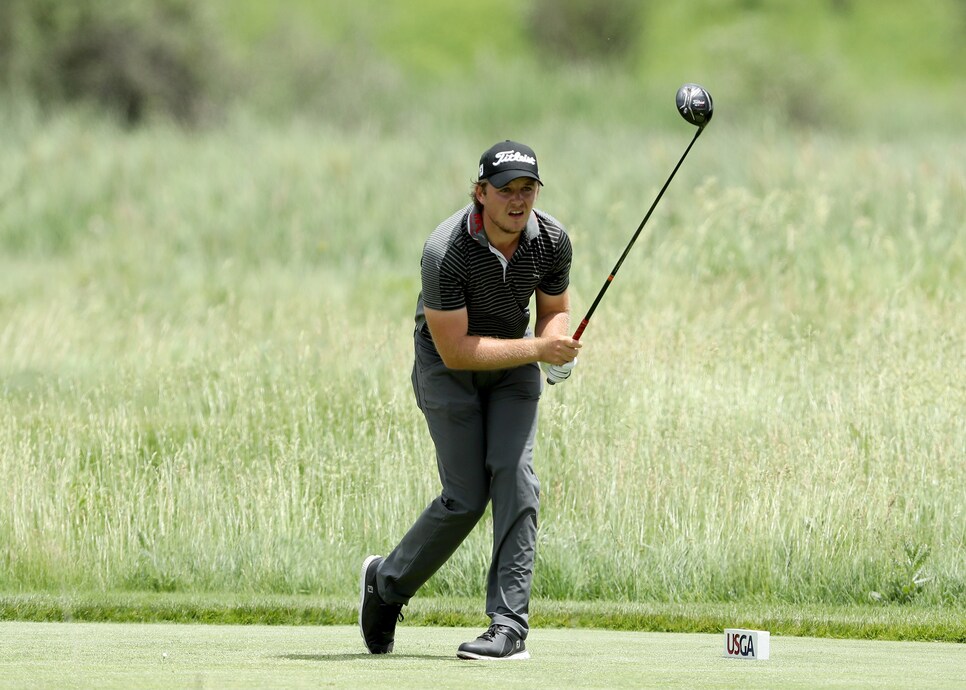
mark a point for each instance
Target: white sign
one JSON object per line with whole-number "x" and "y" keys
{"x": 746, "y": 644}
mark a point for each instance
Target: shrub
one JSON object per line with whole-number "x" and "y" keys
{"x": 585, "y": 30}
{"x": 789, "y": 84}
{"x": 134, "y": 59}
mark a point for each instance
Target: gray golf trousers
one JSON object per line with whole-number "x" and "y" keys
{"x": 483, "y": 424}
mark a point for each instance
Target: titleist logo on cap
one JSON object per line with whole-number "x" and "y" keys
{"x": 513, "y": 157}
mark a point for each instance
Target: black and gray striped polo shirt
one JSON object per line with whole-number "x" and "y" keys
{"x": 459, "y": 269}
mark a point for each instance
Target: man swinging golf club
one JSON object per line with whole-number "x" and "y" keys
{"x": 477, "y": 381}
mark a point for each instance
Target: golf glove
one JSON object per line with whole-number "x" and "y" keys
{"x": 561, "y": 372}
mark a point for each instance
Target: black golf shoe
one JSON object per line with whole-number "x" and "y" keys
{"x": 498, "y": 643}
{"x": 377, "y": 618}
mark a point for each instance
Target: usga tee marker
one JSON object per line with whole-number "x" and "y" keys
{"x": 746, "y": 644}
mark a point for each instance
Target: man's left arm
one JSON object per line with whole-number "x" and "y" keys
{"x": 553, "y": 318}
{"x": 553, "y": 313}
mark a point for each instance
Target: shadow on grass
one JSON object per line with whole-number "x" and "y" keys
{"x": 361, "y": 656}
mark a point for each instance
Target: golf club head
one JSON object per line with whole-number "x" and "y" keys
{"x": 694, "y": 104}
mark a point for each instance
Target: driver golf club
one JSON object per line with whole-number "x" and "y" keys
{"x": 695, "y": 105}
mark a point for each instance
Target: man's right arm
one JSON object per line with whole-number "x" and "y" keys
{"x": 459, "y": 350}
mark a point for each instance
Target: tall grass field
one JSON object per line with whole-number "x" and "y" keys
{"x": 205, "y": 353}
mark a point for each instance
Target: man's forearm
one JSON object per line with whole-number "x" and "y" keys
{"x": 478, "y": 353}
{"x": 555, "y": 323}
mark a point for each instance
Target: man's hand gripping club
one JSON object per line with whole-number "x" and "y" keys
{"x": 562, "y": 359}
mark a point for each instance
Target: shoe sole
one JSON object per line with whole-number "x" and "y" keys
{"x": 362, "y": 597}
{"x": 519, "y": 656}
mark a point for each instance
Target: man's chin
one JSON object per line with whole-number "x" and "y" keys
{"x": 517, "y": 222}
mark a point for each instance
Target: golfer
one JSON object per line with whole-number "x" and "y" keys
{"x": 477, "y": 380}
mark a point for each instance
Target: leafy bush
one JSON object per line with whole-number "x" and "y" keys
{"x": 134, "y": 59}
{"x": 789, "y": 84}
{"x": 585, "y": 30}
{"x": 293, "y": 71}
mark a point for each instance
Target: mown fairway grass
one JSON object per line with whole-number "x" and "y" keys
{"x": 205, "y": 354}
{"x": 42, "y": 655}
